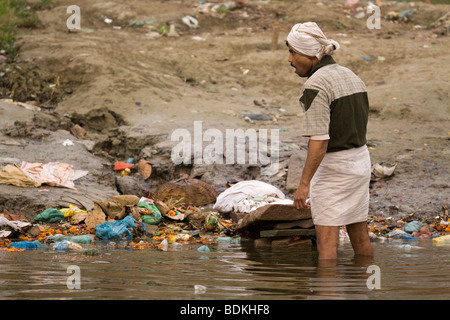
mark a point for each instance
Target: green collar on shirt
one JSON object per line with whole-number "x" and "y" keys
{"x": 326, "y": 60}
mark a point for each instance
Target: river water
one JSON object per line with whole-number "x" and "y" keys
{"x": 418, "y": 270}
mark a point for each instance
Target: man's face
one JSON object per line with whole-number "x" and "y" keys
{"x": 302, "y": 64}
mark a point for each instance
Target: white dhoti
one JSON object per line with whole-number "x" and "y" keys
{"x": 340, "y": 188}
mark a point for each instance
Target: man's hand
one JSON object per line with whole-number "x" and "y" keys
{"x": 300, "y": 197}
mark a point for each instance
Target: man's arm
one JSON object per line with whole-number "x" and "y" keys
{"x": 316, "y": 152}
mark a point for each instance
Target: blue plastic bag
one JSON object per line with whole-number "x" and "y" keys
{"x": 116, "y": 230}
{"x": 28, "y": 245}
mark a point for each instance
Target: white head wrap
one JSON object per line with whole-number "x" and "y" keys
{"x": 308, "y": 39}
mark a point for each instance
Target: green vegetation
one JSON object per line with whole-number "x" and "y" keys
{"x": 16, "y": 14}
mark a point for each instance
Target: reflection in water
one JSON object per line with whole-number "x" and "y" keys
{"x": 229, "y": 271}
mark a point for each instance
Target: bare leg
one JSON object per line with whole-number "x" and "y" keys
{"x": 359, "y": 237}
{"x": 327, "y": 241}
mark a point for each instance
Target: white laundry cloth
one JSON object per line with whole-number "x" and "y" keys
{"x": 246, "y": 196}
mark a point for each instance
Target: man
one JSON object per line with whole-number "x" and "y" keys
{"x": 337, "y": 170}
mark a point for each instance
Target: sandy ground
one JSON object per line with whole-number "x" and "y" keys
{"x": 164, "y": 83}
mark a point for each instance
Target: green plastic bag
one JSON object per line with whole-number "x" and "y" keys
{"x": 212, "y": 223}
{"x": 50, "y": 215}
{"x": 154, "y": 217}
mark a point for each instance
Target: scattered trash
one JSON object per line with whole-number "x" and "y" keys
{"x": 116, "y": 230}
{"x": 228, "y": 240}
{"x": 144, "y": 168}
{"x": 360, "y": 15}
{"x": 140, "y": 23}
{"x": 199, "y": 289}
{"x": 67, "y": 142}
{"x": 71, "y": 211}
{"x": 164, "y": 245}
{"x": 382, "y": 170}
{"x": 397, "y": 234}
{"x": 50, "y": 215}
{"x": 36, "y": 174}
{"x": 83, "y": 239}
{"x": 190, "y": 21}
{"x": 150, "y": 213}
{"x": 120, "y": 165}
{"x": 212, "y": 222}
{"x": 441, "y": 241}
{"x": 28, "y": 106}
{"x": 198, "y": 38}
{"x": 204, "y": 249}
{"x": 412, "y": 226}
{"x": 67, "y": 245}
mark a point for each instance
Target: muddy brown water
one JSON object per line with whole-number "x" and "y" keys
{"x": 416, "y": 270}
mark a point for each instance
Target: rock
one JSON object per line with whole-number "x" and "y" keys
{"x": 282, "y": 242}
{"x": 150, "y": 228}
{"x": 131, "y": 184}
{"x": 78, "y": 132}
{"x": 34, "y": 231}
{"x": 79, "y": 217}
{"x": 172, "y": 31}
{"x": 262, "y": 242}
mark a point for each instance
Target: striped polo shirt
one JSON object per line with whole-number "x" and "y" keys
{"x": 335, "y": 103}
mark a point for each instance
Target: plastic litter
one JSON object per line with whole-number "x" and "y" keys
{"x": 397, "y": 233}
{"x": 382, "y": 170}
{"x": 120, "y": 165}
{"x": 52, "y": 173}
{"x": 116, "y": 229}
{"x": 71, "y": 211}
{"x": 164, "y": 245}
{"x": 212, "y": 222}
{"x": 16, "y": 225}
{"x": 150, "y": 213}
{"x": 230, "y": 240}
{"x": 441, "y": 241}
{"x": 27, "y": 245}
{"x": 203, "y": 249}
{"x": 50, "y": 215}
{"x": 83, "y": 239}
{"x": 190, "y": 21}
{"x": 67, "y": 245}
{"x": 413, "y": 226}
